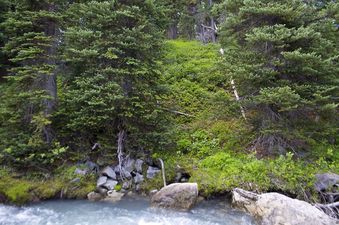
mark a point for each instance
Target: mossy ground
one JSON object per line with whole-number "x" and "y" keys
{"x": 219, "y": 173}
{"x": 23, "y": 189}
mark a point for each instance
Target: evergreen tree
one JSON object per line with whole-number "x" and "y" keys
{"x": 4, "y": 7}
{"x": 29, "y": 95}
{"x": 111, "y": 50}
{"x": 282, "y": 55}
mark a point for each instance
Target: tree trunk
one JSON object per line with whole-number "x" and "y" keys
{"x": 120, "y": 151}
{"x": 172, "y": 31}
{"x": 50, "y": 80}
{"x": 213, "y": 31}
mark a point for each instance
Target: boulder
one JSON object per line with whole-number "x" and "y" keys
{"x": 129, "y": 165}
{"x": 326, "y": 181}
{"x": 101, "y": 181}
{"x": 101, "y": 190}
{"x": 126, "y": 174}
{"x": 180, "y": 196}
{"x": 127, "y": 184}
{"x": 123, "y": 173}
{"x": 110, "y": 184}
{"x": 113, "y": 196}
{"x": 152, "y": 171}
{"x": 92, "y": 166}
{"x": 80, "y": 171}
{"x": 278, "y": 209}
{"x": 138, "y": 165}
{"x": 94, "y": 196}
{"x": 138, "y": 178}
{"x": 109, "y": 172}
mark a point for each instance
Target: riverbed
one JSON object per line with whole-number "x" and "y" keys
{"x": 129, "y": 211}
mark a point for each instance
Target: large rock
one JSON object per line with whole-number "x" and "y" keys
{"x": 326, "y": 181}
{"x": 113, "y": 196}
{"x": 277, "y": 209}
{"x": 94, "y": 196}
{"x": 138, "y": 178}
{"x": 152, "y": 172}
{"x": 109, "y": 172}
{"x": 101, "y": 181}
{"x": 129, "y": 165}
{"x": 80, "y": 171}
{"x": 138, "y": 165}
{"x": 92, "y": 166}
{"x": 180, "y": 196}
{"x": 123, "y": 173}
{"x": 110, "y": 184}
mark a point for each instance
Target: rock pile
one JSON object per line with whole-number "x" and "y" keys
{"x": 115, "y": 181}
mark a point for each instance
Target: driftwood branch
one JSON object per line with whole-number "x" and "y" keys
{"x": 331, "y": 205}
{"x": 330, "y": 209}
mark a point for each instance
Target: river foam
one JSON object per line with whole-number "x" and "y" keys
{"x": 125, "y": 212}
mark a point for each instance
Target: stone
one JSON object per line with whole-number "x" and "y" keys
{"x": 109, "y": 172}
{"x": 138, "y": 165}
{"x": 75, "y": 180}
{"x": 137, "y": 188}
{"x": 153, "y": 192}
{"x": 94, "y": 196}
{"x": 180, "y": 196}
{"x": 129, "y": 165}
{"x": 101, "y": 181}
{"x": 110, "y": 184}
{"x": 102, "y": 191}
{"x": 127, "y": 184}
{"x": 125, "y": 173}
{"x": 113, "y": 196}
{"x": 93, "y": 167}
{"x": 152, "y": 172}
{"x": 326, "y": 181}
{"x": 80, "y": 171}
{"x": 138, "y": 178}
{"x": 278, "y": 209}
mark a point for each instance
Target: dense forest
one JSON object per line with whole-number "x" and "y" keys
{"x": 237, "y": 93}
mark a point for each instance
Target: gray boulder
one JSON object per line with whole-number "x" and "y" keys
{"x": 92, "y": 166}
{"x": 101, "y": 181}
{"x": 110, "y": 184}
{"x": 138, "y": 165}
{"x": 123, "y": 173}
{"x": 152, "y": 172}
{"x": 180, "y": 196}
{"x": 129, "y": 165}
{"x": 113, "y": 196}
{"x": 94, "y": 196}
{"x": 126, "y": 174}
{"x": 109, "y": 172}
{"x": 80, "y": 171}
{"x": 127, "y": 184}
{"x": 326, "y": 181}
{"x": 101, "y": 190}
{"x": 138, "y": 178}
{"x": 278, "y": 209}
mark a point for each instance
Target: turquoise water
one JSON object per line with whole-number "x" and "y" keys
{"x": 126, "y": 212}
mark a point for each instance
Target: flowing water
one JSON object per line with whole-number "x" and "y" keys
{"x": 125, "y": 212}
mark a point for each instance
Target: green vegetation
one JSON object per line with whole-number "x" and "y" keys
{"x": 23, "y": 188}
{"x": 97, "y": 80}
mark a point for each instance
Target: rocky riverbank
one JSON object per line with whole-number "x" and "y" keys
{"x": 139, "y": 176}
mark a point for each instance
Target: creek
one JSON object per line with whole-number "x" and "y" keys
{"x": 129, "y": 211}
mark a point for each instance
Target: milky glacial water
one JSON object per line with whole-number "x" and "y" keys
{"x": 126, "y": 212}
